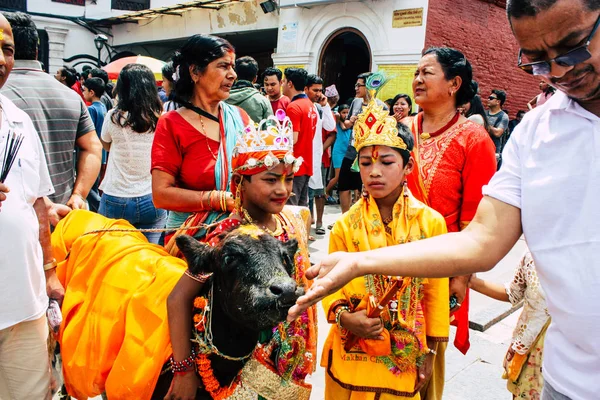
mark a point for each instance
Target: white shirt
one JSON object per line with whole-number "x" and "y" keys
{"x": 23, "y": 283}
{"x": 477, "y": 118}
{"x": 326, "y": 122}
{"x": 551, "y": 171}
{"x": 128, "y": 169}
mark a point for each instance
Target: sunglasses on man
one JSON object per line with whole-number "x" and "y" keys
{"x": 492, "y": 98}
{"x": 572, "y": 57}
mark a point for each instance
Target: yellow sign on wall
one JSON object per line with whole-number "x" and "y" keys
{"x": 401, "y": 80}
{"x": 408, "y": 17}
{"x": 283, "y": 67}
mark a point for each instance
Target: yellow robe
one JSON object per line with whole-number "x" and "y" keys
{"x": 357, "y": 375}
{"x": 115, "y": 334}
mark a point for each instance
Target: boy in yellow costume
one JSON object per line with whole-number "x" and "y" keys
{"x": 393, "y": 355}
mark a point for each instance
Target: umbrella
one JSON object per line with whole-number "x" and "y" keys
{"x": 115, "y": 67}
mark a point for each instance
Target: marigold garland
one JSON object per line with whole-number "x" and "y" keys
{"x": 211, "y": 384}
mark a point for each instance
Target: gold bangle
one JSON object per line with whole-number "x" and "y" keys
{"x": 51, "y": 265}
{"x": 224, "y": 201}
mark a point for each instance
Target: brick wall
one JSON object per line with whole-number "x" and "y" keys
{"x": 480, "y": 29}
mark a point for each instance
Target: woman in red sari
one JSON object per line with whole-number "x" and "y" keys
{"x": 455, "y": 158}
{"x": 191, "y": 153}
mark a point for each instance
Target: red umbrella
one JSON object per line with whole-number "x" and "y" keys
{"x": 115, "y": 67}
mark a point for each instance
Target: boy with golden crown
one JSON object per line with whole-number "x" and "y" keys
{"x": 385, "y": 329}
{"x": 263, "y": 166}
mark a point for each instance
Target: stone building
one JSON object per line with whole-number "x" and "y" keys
{"x": 336, "y": 39}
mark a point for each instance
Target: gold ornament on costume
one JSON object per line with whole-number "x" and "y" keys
{"x": 262, "y": 146}
{"x": 374, "y": 125}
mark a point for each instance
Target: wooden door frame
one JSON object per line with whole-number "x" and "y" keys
{"x": 334, "y": 35}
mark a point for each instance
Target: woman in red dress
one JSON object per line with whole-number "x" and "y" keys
{"x": 455, "y": 158}
{"x": 191, "y": 153}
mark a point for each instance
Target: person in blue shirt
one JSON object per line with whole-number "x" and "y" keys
{"x": 92, "y": 90}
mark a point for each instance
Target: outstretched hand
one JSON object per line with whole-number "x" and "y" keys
{"x": 331, "y": 274}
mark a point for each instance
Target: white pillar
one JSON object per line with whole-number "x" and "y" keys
{"x": 56, "y": 46}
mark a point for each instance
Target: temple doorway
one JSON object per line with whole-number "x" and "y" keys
{"x": 345, "y": 55}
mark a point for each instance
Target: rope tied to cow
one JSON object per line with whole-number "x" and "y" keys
{"x": 149, "y": 230}
{"x": 206, "y": 345}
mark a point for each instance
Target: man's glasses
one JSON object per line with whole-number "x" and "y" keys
{"x": 359, "y": 85}
{"x": 572, "y": 57}
{"x": 492, "y": 98}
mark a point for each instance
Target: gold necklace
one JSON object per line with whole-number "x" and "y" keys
{"x": 278, "y": 230}
{"x": 206, "y": 139}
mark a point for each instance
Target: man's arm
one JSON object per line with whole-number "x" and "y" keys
{"x": 488, "y": 238}
{"x": 54, "y": 289}
{"x": 330, "y": 140}
{"x": 88, "y": 168}
{"x": 328, "y": 118}
{"x": 497, "y": 132}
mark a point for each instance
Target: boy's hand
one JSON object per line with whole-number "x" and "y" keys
{"x": 424, "y": 372}
{"x": 362, "y": 326}
{"x": 183, "y": 387}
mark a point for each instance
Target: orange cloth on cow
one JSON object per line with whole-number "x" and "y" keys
{"x": 114, "y": 337}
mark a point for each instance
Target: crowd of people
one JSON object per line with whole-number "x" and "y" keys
{"x": 430, "y": 184}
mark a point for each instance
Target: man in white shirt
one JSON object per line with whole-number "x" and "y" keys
{"x": 325, "y": 120}
{"x": 26, "y": 265}
{"x": 548, "y": 188}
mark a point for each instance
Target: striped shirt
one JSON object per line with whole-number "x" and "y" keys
{"x": 59, "y": 116}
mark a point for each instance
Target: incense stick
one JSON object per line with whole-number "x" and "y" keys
{"x": 11, "y": 149}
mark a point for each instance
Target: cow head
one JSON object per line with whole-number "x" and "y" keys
{"x": 252, "y": 274}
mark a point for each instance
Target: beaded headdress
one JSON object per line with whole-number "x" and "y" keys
{"x": 374, "y": 125}
{"x": 264, "y": 146}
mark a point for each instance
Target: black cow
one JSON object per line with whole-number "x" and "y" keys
{"x": 253, "y": 290}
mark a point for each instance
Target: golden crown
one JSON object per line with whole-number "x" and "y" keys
{"x": 266, "y": 143}
{"x": 375, "y": 127}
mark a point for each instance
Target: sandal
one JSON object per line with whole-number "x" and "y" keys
{"x": 330, "y": 227}
{"x": 330, "y": 201}
{"x": 311, "y": 238}
{"x": 320, "y": 230}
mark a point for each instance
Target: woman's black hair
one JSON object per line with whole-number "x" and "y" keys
{"x": 343, "y": 107}
{"x": 454, "y": 63}
{"x": 110, "y": 89}
{"x": 476, "y": 107}
{"x": 197, "y": 51}
{"x": 398, "y": 97}
{"x": 549, "y": 89}
{"x": 167, "y": 71}
{"x": 138, "y": 95}
{"x": 407, "y": 136}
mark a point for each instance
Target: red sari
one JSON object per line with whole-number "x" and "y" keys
{"x": 451, "y": 168}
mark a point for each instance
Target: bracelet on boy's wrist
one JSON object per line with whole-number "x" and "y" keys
{"x": 338, "y": 315}
{"x": 51, "y": 265}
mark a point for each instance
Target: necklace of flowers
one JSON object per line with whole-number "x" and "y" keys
{"x": 203, "y": 323}
{"x": 211, "y": 384}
